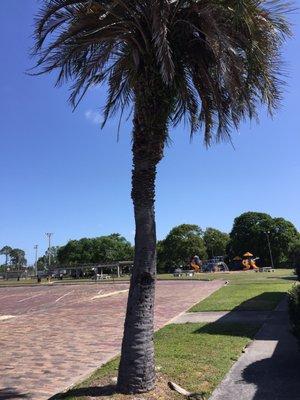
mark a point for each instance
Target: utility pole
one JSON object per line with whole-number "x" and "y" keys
{"x": 49, "y": 235}
{"x": 269, "y": 244}
{"x": 36, "y": 256}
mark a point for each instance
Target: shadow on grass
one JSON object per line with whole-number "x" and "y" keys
{"x": 10, "y": 393}
{"x": 236, "y": 329}
{"x": 286, "y": 278}
{"x": 266, "y": 301}
{"x": 93, "y": 391}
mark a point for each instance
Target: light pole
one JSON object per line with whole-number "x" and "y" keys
{"x": 36, "y": 255}
{"x": 269, "y": 245}
{"x": 212, "y": 247}
{"x": 49, "y": 235}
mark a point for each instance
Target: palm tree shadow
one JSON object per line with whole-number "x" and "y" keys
{"x": 10, "y": 393}
{"x": 92, "y": 391}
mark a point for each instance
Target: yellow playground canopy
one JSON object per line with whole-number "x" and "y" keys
{"x": 248, "y": 254}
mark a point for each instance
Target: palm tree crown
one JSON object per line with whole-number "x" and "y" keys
{"x": 216, "y": 59}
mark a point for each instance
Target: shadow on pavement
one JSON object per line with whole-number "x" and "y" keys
{"x": 92, "y": 391}
{"x": 10, "y": 393}
{"x": 277, "y": 377}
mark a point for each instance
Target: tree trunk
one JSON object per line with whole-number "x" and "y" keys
{"x": 137, "y": 366}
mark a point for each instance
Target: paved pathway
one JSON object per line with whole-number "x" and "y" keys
{"x": 60, "y": 334}
{"x": 245, "y": 317}
{"x": 270, "y": 367}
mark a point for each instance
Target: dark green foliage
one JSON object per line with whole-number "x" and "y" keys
{"x": 215, "y": 242}
{"x": 294, "y": 310}
{"x": 94, "y": 250}
{"x": 249, "y": 233}
{"x": 181, "y": 244}
{"x": 295, "y": 256}
{"x": 43, "y": 262}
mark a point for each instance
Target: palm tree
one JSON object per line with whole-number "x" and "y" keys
{"x": 212, "y": 62}
{"x": 6, "y": 250}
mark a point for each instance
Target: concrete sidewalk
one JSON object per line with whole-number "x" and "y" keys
{"x": 244, "y": 317}
{"x": 270, "y": 367}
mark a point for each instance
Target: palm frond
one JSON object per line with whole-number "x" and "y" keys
{"x": 217, "y": 61}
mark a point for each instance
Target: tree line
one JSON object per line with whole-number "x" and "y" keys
{"x": 103, "y": 249}
{"x": 252, "y": 231}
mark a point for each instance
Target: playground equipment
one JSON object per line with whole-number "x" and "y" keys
{"x": 216, "y": 264}
{"x": 196, "y": 264}
{"x": 248, "y": 262}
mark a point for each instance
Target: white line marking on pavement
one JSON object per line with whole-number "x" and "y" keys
{"x": 5, "y": 317}
{"x": 64, "y": 295}
{"x": 29, "y": 298}
{"x": 10, "y": 295}
{"x": 101, "y": 296}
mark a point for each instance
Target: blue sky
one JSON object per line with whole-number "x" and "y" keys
{"x": 60, "y": 173}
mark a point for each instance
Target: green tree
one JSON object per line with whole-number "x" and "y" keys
{"x": 6, "y": 250}
{"x": 180, "y": 245}
{"x": 212, "y": 62}
{"x": 17, "y": 257}
{"x": 43, "y": 261}
{"x": 294, "y": 256}
{"x": 215, "y": 242}
{"x": 251, "y": 232}
{"x": 162, "y": 264}
{"x": 95, "y": 250}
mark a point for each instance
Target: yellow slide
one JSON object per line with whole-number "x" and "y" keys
{"x": 195, "y": 267}
{"x": 246, "y": 264}
{"x": 253, "y": 264}
{"x": 249, "y": 263}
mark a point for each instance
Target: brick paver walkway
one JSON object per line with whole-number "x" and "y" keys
{"x": 60, "y": 334}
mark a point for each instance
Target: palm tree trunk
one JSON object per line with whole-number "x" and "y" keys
{"x": 137, "y": 366}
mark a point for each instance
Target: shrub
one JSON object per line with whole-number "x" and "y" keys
{"x": 294, "y": 310}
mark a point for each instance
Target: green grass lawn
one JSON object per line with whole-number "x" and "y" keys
{"x": 249, "y": 291}
{"x": 254, "y": 297}
{"x": 279, "y": 276}
{"x": 197, "y": 356}
{"x": 241, "y": 277}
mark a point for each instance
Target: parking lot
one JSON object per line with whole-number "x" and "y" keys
{"x": 52, "y": 336}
